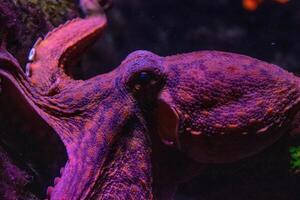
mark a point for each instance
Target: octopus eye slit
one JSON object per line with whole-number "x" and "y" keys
{"x": 146, "y": 84}
{"x": 142, "y": 80}
{"x": 145, "y": 77}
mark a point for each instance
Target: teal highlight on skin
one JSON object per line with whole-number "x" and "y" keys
{"x": 295, "y": 157}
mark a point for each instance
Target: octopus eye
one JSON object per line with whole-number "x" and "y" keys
{"x": 145, "y": 78}
{"x": 145, "y": 83}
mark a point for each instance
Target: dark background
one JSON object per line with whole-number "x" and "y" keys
{"x": 271, "y": 33}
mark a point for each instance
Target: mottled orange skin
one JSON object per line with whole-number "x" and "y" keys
{"x": 227, "y": 106}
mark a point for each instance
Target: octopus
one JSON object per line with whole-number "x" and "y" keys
{"x": 153, "y": 122}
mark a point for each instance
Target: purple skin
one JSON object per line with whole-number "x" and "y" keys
{"x": 118, "y": 128}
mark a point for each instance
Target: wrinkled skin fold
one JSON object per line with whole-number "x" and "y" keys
{"x": 209, "y": 106}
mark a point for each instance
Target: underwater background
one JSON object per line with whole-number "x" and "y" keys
{"x": 269, "y": 32}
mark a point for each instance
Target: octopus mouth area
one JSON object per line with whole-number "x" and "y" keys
{"x": 31, "y": 153}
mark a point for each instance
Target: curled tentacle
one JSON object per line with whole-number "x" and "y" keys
{"x": 62, "y": 47}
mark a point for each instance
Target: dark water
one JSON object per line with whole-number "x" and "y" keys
{"x": 271, "y": 33}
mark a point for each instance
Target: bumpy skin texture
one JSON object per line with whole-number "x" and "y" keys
{"x": 230, "y": 102}
{"x": 224, "y": 107}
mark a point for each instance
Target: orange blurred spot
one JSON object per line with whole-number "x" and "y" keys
{"x": 251, "y": 5}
